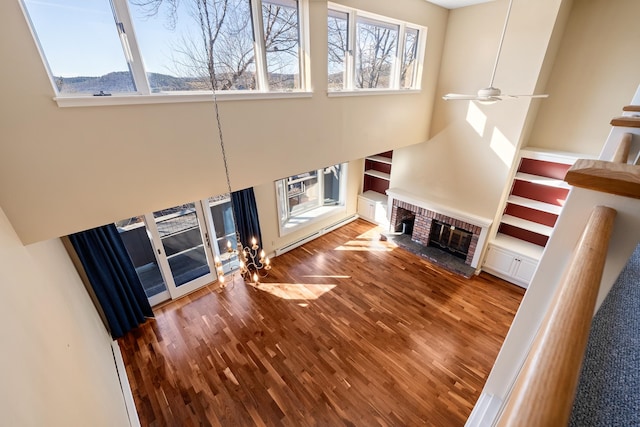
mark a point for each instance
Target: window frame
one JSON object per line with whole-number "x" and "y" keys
{"x": 144, "y": 94}
{"x": 288, "y": 222}
{"x": 350, "y": 88}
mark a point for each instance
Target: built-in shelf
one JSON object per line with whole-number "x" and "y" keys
{"x": 542, "y": 180}
{"x": 377, "y": 174}
{"x": 534, "y": 227}
{"x": 372, "y": 203}
{"x": 535, "y": 204}
{"x": 538, "y": 192}
{"x": 380, "y": 159}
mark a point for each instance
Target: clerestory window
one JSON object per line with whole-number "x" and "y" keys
{"x": 120, "y": 47}
{"x": 367, "y": 51}
{"x": 312, "y": 195}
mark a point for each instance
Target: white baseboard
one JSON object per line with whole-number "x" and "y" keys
{"x": 485, "y": 411}
{"x": 130, "y": 405}
{"x": 315, "y": 235}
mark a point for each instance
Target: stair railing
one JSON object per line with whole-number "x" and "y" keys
{"x": 544, "y": 391}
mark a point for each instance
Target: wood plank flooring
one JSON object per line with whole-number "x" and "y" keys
{"x": 346, "y": 331}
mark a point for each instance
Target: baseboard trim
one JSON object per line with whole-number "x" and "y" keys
{"x": 130, "y": 405}
{"x": 315, "y": 235}
{"x": 485, "y": 411}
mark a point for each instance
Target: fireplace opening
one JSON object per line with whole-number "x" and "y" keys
{"x": 404, "y": 222}
{"x": 451, "y": 239}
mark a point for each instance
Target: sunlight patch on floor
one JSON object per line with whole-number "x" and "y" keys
{"x": 294, "y": 291}
{"x": 369, "y": 241}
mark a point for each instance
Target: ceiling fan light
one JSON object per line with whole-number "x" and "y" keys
{"x": 489, "y": 92}
{"x": 488, "y": 101}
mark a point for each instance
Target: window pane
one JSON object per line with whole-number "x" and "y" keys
{"x": 332, "y": 177}
{"x": 308, "y": 197}
{"x": 174, "y": 48}
{"x": 376, "y": 46}
{"x": 281, "y": 39}
{"x": 179, "y": 231}
{"x": 136, "y": 240}
{"x": 338, "y": 39}
{"x": 80, "y": 41}
{"x": 408, "y": 69}
{"x": 303, "y": 192}
{"x": 224, "y": 226}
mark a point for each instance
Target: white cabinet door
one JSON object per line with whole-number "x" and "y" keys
{"x": 499, "y": 260}
{"x": 510, "y": 265}
{"x": 524, "y": 269}
{"x": 366, "y": 209}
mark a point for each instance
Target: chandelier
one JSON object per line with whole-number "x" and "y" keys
{"x": 253, "y": 262}
{"x": 250, "y": 262}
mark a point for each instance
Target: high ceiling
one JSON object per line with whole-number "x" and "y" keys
{"x": 454, "y": 4}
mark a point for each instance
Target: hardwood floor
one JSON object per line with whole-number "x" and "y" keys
{"x": 348, "y": 331}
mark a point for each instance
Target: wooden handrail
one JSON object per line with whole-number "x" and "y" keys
{"x": 544, "y": 391}
{"x": 614, "y": 178}
{"x": 631, "y": 108}
{"x": 622, "y": 152}
{"x": 626, "y": 121}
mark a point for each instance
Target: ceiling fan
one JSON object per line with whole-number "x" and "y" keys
{"x": 491, "y": 94}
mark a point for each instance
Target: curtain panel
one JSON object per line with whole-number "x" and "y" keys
{"x": 112, "y": 277}
{"x": 246, "y": 213}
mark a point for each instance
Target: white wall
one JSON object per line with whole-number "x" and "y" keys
{"x": 57, "y": 366}
{"x": 68, "y": 169}
{"x": 595, "y": 75}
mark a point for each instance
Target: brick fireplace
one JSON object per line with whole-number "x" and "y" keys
{"x": 423, "y": 222}
{"x": 432, "y": 224}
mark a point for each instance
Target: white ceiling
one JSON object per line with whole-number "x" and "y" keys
{"x": 454, "y": 4}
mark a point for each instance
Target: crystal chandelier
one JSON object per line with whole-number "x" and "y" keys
{"x": 250, "y": 262}
{"x": 253, "y": 262}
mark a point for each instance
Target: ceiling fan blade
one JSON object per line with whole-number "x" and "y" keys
{"x": 542, "y": 95}
{"x": 459, "y": 96}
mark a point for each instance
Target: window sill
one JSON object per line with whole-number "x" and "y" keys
{"x": 309, "y": 218}
{"x": 170, "y": 98}
{"x": 369, "y": 92}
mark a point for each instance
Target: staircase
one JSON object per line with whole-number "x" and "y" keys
{"x": 518, "y": 380}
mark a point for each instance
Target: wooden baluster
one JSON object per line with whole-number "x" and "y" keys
{"x": 622, "y": 153}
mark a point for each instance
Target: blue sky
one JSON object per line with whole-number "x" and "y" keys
{"x": 79, "y": 37}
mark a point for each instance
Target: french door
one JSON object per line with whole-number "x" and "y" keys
{"x": 173, "y": 250}
{"x": 181, "y": 240}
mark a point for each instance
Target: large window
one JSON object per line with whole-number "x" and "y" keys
{"x": 112, "y": 47}
{"x": 82, "y": 44}
{"x": 367, "y": 51}
{"x": 311, "y": 195}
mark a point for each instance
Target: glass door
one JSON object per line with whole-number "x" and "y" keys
{"x": 137, "y": 240}
{"x": 223, "y": 228}
{"x": 173, "y": 250}
{"x": 181, "y": 240}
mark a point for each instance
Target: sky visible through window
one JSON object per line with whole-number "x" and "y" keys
{"x": 80, "y": 38}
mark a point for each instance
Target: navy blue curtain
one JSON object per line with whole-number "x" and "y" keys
{"x": 112, "y": 277}
{"x": 246, "y": 212}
